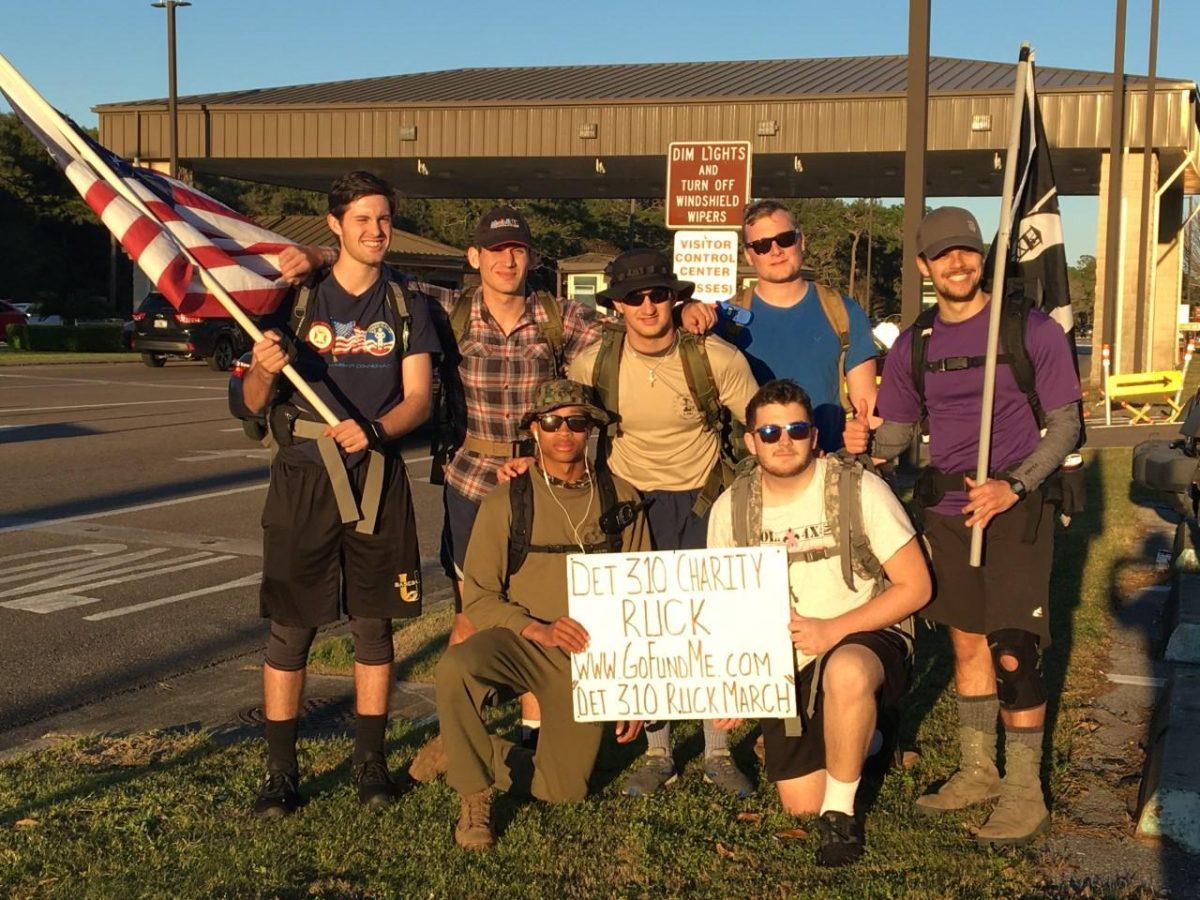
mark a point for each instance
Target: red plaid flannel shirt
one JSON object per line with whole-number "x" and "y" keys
{"x": 499, "y": 375}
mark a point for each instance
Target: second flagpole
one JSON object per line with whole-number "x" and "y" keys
{"x": 1003, "y": 235}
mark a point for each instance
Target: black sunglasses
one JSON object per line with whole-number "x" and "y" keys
{"x": 784, "y": 239}
{"x": 770, "y": 434}
{"x": 578, "y": 423}
{"x": 656, "y": 295}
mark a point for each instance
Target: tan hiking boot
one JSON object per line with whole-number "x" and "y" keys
{"x": 431, "y": 761}
{"x": 1021, "y": 814}
{"x": 474, "y": 830}
{"x": 976, "y": 780}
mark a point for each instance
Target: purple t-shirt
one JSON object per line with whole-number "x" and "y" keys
{"x": 954, "y": 398}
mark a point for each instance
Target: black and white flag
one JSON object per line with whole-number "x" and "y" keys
{"x": 1037, "y": 263}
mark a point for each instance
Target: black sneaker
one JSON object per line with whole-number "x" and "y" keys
{"x": 375, "y": 785}
{"x": 841, "y": 839}
{"x": 278, "y": 796}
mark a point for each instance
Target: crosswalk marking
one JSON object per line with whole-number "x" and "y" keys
{"x": 187, "y": 595}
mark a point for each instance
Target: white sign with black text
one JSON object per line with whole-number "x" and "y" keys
{"x": 709, "y": 259}
{"x": 682, "y": 634}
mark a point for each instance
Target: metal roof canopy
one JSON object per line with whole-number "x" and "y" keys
{"x": 820, "y": 127}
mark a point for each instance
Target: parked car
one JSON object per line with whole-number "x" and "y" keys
{"x": 10, "y": 315}
{"x": 159, "y": 332}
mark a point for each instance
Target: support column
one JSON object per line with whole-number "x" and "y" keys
{"x": 1166, "y": 285}
{"x": 1127, "y": 356}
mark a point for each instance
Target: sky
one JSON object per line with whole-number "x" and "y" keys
{"x": 79, "y": 53}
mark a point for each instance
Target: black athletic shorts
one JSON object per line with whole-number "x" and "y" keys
{"x": 1012, "y": 587}
{"x": 315, "y": 568}
{"x": 793, "y": 757}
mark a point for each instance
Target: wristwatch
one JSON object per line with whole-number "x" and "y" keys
{"x": 1018, "y": 486}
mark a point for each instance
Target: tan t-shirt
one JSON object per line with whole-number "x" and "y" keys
{"x": 661, "y": 443}
{"x": 538, "y": 591}
{"x": 817, "y": 588}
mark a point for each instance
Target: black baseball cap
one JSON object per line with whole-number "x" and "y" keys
{"x": 501, "y": 225}
{"x": 947, "y": 227}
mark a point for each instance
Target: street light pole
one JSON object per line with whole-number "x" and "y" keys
{"x": 172, "y": 108}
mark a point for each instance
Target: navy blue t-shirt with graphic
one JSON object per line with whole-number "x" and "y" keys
{"x": 351, "y": 353}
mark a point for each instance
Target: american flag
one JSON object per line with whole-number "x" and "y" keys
{"x": 348, "y": 338}
{"x": 237, "y": 253}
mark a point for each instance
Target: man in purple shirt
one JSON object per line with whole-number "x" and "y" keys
{"x": 998, "y": 614}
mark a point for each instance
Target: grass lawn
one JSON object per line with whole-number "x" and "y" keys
{"x": 56, "y": 357}
{"x": 167, "y": 815}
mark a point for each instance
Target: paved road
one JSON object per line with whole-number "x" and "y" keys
{"x": 129, "y": 531}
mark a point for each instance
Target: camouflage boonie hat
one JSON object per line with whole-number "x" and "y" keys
{"x": 562, "y": 392}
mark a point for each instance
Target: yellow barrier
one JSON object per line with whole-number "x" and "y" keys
{"x": 1150, "y": 389}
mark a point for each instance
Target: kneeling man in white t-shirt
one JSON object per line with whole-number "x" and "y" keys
{"x": 857, "y": 574}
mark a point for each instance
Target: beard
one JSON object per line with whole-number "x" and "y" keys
{"x": 958, "y": 292}
{"x": 786, "y": 468}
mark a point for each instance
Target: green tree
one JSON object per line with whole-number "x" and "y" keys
{"x": 1081, "y": 280}
{"x": 55, "y": 251}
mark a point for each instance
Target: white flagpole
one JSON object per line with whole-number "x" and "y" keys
{"x": 22, "y": 92}
{"x": 994, "y": 310}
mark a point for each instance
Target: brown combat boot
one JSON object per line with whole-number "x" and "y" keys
{"x": 431, "y": 761}
{"x": 976, "y": 780}
{"x": 1021, "y": 814}
{"x": 475, "y": 830}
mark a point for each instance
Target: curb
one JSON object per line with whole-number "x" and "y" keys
{"x": 1169, "y": 800}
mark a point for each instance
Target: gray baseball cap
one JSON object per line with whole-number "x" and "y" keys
{"x": 947, "y": 227}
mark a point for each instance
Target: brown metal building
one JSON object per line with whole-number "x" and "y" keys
{"x": 819, "y": 127}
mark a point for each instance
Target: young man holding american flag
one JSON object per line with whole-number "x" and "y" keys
{"x": 364, "y": 345}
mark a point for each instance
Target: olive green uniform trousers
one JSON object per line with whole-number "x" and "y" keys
{"x": 499, "y": 662}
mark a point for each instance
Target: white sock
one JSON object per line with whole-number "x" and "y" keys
{"x": 531, "y": 723}
{"x": 839, "y": 795}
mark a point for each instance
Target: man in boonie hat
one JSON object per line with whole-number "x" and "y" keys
{"x": 515, "y": 593}
{"x": 675, "y": 397}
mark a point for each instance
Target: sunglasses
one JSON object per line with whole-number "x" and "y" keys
{"x": 552, "y": 422}
{"x": 784, "y": 239}
{"x": 656, "y": 295}
{"x": 770, "y": 434}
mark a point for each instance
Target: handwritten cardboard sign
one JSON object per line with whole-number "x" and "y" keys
{"x": 683, "y": 634}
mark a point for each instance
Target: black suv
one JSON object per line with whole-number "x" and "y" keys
{"x": 159, "y": 331}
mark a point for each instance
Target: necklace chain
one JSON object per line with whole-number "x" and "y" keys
{"x": 651, "y": 370}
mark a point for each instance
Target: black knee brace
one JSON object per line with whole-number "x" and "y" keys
{"x": 287, "y": 647}
{"x": 1022, "y": 687}
{"x": 372, "y": 641}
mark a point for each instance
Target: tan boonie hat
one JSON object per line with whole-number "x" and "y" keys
{"x": 562, "y": 392}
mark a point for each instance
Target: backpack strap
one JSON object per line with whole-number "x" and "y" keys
{"x": 697, "y": 371}
{"x": 460, "y": 315}
{"x": 921, "y": 329}
{"x": 834, "y": 307}
{"x": 1013, "y": 321}
{"x": 402, "y": 307}
{"x": 301, "y": 315}
{"x": 608, "y": 499}
{"x": 727, "y": 328}
{"x": 520, "y": 527}
{"x": 745, "y": 508}
{"x": 552, "y": 330}
{"x": 606, "y": 378}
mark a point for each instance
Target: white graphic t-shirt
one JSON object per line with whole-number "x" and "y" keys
{"x": 817, "y": 588}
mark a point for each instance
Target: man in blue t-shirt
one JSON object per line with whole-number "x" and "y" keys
{"x": 789, "y": 334}
{"x": 339, "y": 533}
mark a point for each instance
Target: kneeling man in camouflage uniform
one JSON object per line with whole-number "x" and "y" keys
{"x": 515, "y": 592}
